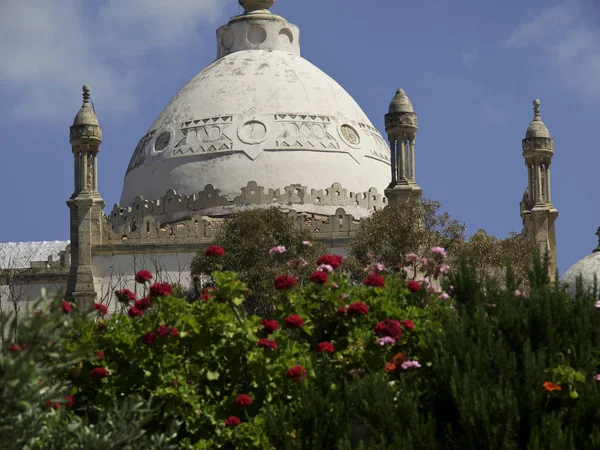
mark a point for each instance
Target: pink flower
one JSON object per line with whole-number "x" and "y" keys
{"x": 443, "y": 296}
{"x": 100, "y": 309}
{"x": 269, "y": 326}
{"x": 284, "y": 282}
{"x": 294, "y": 321}
{"x": 410, "y": 364}
{"x": 597, "y": 377}
{"x": 357, "y": 309}
{"x": 243, "y": 400}
{"x": 334, "y": 261}
{"x": 439, "y": 251}
{"x": 444, "y": 268}
{"x": 386, "y": 340}
{"x": 307, "y": 243}
{"x": 318, "y": 277}
{"x": 297, "y": 263}
{"x": 125, "y": 296}
{"x": 214, "y": 250}
{"x": 325, "y": 347}
{"x": 411, "y": 258}
{"x": 160, "y": 290}
{"x": 277, "y": 250}
{"x": 325, "y": 268}
{"x": 134, "y": 312}
{"x": 232, "y": 422}
{"x": 148, "y": 338}
{"x": 414, "y": 286}
{"x": 143, "y": 276}
{"x": 98, "y": 373}
{"x": 597, "y": 304}
{"x": 374, "y": 280}
{"x": 408, "y": 324}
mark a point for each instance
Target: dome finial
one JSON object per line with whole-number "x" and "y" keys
{"x": 86, "y": 93}
{"x": 255, "y": 5}
{"x": 536, "y": 109}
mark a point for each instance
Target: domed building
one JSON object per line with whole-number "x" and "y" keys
{"x": 261, "y": 126}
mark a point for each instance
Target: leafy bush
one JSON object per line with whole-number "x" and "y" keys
{"x": 391, "y": 363}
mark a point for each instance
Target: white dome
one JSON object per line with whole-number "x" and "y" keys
{"x": 261, "y": 115}
{"x": 587, "y": 268}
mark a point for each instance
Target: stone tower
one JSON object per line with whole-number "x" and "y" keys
{"x": 537, "y": 211}
{"x": 85, "y": 204}
{"x": 401, "y": 126}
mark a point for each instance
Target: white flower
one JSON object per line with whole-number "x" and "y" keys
{"x": 325, "y": 268}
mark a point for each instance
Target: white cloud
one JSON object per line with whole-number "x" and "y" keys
{"x": 570, "y": 45}
{"x": 50, "y": 48}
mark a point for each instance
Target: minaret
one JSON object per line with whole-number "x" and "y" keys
{"x": 401, "y": 126}
{"x": 85, "y": 204}
{"x": 537, "y": 211}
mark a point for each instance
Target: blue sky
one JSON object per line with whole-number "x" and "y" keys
{"x": 471, "y": 69}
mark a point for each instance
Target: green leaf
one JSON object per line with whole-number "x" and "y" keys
{"x": 212, "y": 375}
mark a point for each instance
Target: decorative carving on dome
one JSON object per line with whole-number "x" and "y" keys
{"x": 377, "y": 146}
{"x": 173, "y": 204}
{"x": 538, "y": 144}
{"x": 204, "y": 135}
{"x": 83, "y": 131}
{"x": 252, "y": 132}
{"x": 142, "y": 149}
{"x": 349, "y": 135}
{"x": 305, "y": 131}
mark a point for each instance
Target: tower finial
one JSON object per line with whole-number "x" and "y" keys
{"x": 255, "y": 5}
{"x": 536, "y": 109}
{"x": 86, "y": 93}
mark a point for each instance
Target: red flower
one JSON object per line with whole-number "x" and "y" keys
{"x": 389, "y": 328}
{"x": 101, "y": 309}
{"x": 70, "y": 400}
{"x": 98, "y": 373}
{"x": 214, "y": 250}
{"x": 284, "y": 282}
{"x": 207, "y": 293}
{"x": 174, "y": 332}
{"x": 133, "y": 312}
{"x": 162, "y": 330}
{"x": 269, "y": 326}
{"x": 243, "y": 400}
{"x": 14, "y": 348}
{"x": 358, "y": 309}
{"x": 66, "y": 307}
{"x": 148, "y": 338}
{"x": 408, "y": 324}
{"x": 334, "y": 261}
{"x": 160, "y": 290}
{"x": 294, "y": 321}
{"x": 125, "y": 296}
{"x": 318, "y": 277}
{"x": 414, "y": 286}
{"x": 143, "y": 304}
{"x": 232, "y": 422}
{"x": 296, "y": 373}
{"x": 267, "y": 344}
{"x": 49, "y": 404}
{"x": 374, "y": 280}
{"x": 99, "y": 355}
{"x": 143, "y": 276}
{"x": 173, "y": 382}
{"x": 342, "y": 310}
{"x": 325, "y": 347}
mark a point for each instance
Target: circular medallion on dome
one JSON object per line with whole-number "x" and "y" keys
{"x": 256, "y": 35}
{"x": 286, "y": 37}
{"x": 349, "y": 135}
{"x": 252, "y": 132}
{"x": 162, "y": 141}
